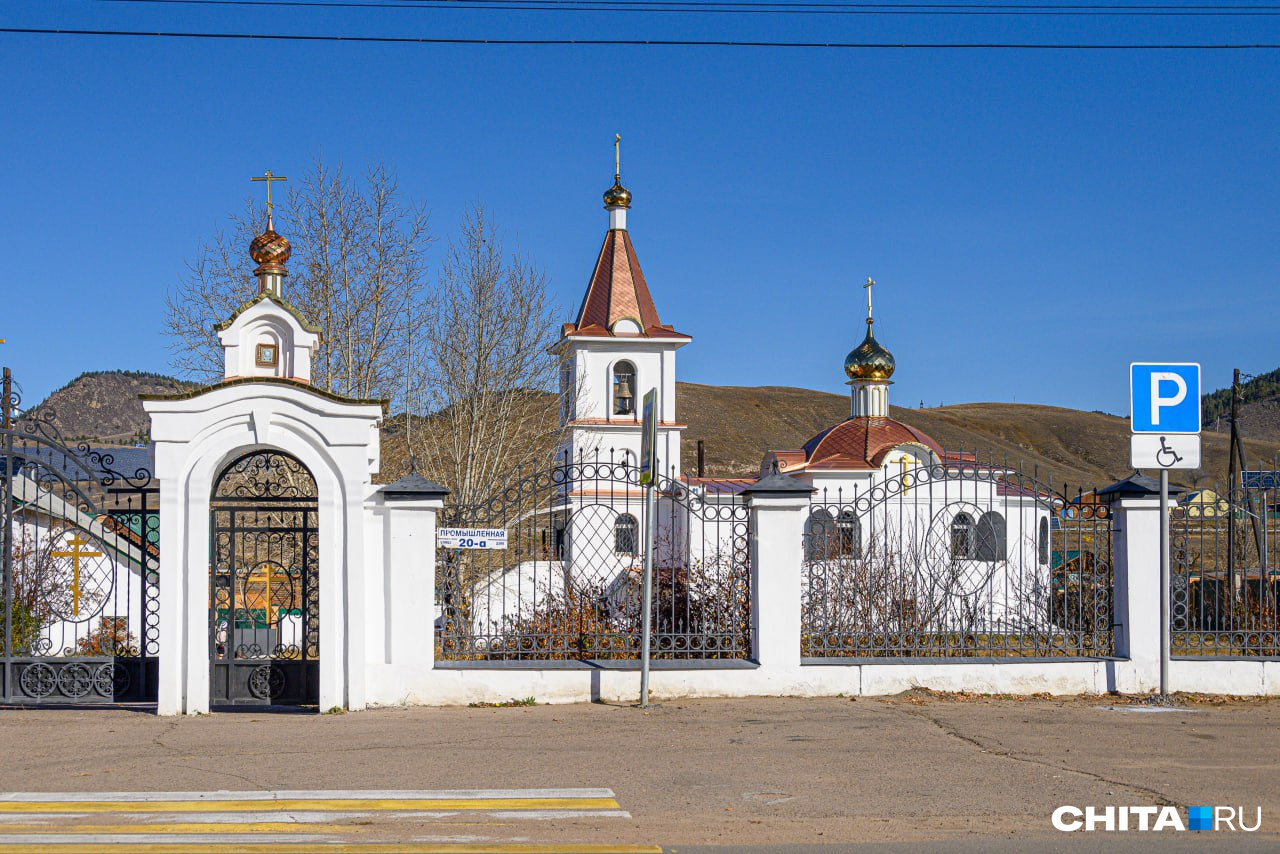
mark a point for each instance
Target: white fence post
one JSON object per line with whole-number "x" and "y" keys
{"x": 778, "y": 504}
{"x": 1135, "y": 525}
{"x": 411, "y": 505}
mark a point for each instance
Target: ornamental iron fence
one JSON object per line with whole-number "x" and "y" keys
{"x": 567, "y": 587}
{"x": 1225, "y": 570}
{"x": 79, "y": 537}
{"x": 957, "y": 559}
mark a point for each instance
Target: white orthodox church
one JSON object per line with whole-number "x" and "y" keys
{"x": 876, "y": 480}
{"x": 290, "y": 577}
{"x": 889, "y": 503}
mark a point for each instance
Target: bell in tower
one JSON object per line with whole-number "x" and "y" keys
{"x": 624, "y": 398}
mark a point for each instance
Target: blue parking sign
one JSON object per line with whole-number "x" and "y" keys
{"x": 1164, "y": 397}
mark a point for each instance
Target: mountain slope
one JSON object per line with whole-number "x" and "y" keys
{"x": 739, "y": 424}
{"x": 103, "y": 406}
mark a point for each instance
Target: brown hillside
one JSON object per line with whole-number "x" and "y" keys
{"x": 739, "y": 424}
{"x": 1080, "y": 449}
{"x": 103, "y": 406}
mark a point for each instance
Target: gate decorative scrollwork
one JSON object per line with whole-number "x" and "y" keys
{"x": 264, "y": 582}
{"x": 79, "y": 540}
{"x": 567, "y": 587}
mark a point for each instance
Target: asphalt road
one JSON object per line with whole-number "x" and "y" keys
{"x": 909, "y": 773}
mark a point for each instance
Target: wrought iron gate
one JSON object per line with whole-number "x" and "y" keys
{"x": 79, "y": 545}
{"x": 264, "y": 611}
{"x": 567, "y": 587}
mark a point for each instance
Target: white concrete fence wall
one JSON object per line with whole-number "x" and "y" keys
{"x": 405, "y": 670}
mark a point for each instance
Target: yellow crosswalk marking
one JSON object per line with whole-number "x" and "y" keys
{"x": 187, "y": 827}
{"x": 293, "y": 822}
{"x": 345, "y": 805}
{"x": 334, "y": 848}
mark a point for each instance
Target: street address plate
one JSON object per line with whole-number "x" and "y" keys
{"x": 471, "y": 538}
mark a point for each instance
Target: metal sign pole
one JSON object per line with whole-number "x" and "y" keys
{"x": 648, "y": 479}
{"x": 646, "y": 594}
{"x": 6, "y": 536}
{"x": 1165, "y": 419}
{"x": 1164, "y": 582}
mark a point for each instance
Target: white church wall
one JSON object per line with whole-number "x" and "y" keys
{"x": 267, "y": 323}
{"x": 596, "y": 364}
{"x": 593, "y": 361}
{"x": 907, "y": 532}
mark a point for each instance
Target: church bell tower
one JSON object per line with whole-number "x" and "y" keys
{"x": 616, "y": 350}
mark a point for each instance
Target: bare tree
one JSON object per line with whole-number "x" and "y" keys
{"x": 467, "y": 361}
{"x": 358, "y": 271}
{"x": 483, "y": 366}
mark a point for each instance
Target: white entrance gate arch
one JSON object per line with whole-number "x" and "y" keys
{"x": 196, "y": 434}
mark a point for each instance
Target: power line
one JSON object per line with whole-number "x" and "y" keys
{"x": 53, "y": 31}
{"x": 754, "y": 8}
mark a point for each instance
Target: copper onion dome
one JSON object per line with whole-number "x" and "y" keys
{"x": 270, "y": 248}
{"x": 869, "y": 360}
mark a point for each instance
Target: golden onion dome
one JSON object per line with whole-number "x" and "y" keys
{"x": 270, "y": 248}
{"x": 617, "y": 196}
{"x": 869, "y": 360}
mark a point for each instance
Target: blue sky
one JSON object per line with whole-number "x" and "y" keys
{"x": 1037, "y": 220}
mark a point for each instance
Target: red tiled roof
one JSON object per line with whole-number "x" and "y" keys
{"x": 730, "y": 485}
{"x": 618, "y": 291}
{"x": 862, "y": 443}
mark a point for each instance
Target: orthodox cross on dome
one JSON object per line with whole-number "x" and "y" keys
{"x": 76, "y": 554}
{"x": 870, "y": 283}
{"x": 617, "y": 198}
{"x": 268, "y": 177}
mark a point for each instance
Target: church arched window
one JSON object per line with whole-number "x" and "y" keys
{"x": 624, "y": 388}
{"x": 1042, "y": 541}
{"x": 961, "y": 536}
{"x": 626, "y": 534}
{"x": 566, "y": 390}
{"x": 990, "y": 539}
{"x": 849, "y": 535}
{"x": 819, "y": 531}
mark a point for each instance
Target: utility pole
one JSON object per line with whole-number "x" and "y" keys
{"x": 8, "y": 397}
{"x": 1233, "y": 580}
{"x": 1236, "y": 463}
